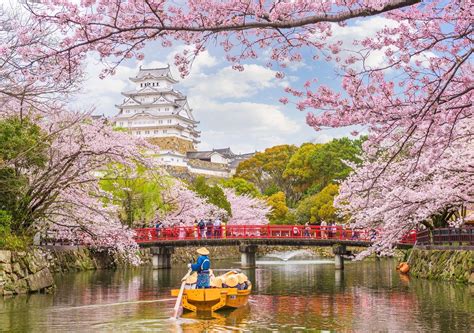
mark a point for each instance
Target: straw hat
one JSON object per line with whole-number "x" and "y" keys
{"x": 192, "y": 279}
{"x": 241, "y": 277}
{"x": 203, "y": 251}
{"x": 216, "y": 282}
{"x": 231, "y": 280}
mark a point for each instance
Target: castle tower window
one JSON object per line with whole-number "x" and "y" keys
{"x": 147, "y": 132}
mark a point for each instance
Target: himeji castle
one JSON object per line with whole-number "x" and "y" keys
{"x": 157, "y": 112}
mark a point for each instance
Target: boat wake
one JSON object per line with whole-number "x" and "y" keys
{"x": 113, "y": 304}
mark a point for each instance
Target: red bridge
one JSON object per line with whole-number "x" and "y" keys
{"x": 162, "y": 241}
{"x": 207, "y": 236}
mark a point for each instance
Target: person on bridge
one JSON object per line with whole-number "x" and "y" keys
{"x": 209, "y": 228}
{"x": 307, "y": 230}
{"x": 217, "y": 227}
{"x": 295, "y": 231}
{"x": 158, "y": 227}
{"x": 202, "y": 228}
{"x": 202, "y": 267}
{"x": 324, "y": 232}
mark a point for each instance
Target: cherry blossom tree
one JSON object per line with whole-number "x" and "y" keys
{"x": 403, "y": 199}
{"x": 84, "y": 220}
{"x": 30, "y": 76}
{"x": 247, "y": 210}
{"x": 64, "y": 194}
{"x": 424, "y": 82}
{"x": 415, "y": 103}
{"x": 186, "y": 206}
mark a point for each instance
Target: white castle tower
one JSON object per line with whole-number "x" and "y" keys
{"x": 160, "y": 114}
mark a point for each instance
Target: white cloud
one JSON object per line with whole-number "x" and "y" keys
{"x": 102, "y": 94}
{"x": 228, "y": 83}
{"x": 244, "y": 125}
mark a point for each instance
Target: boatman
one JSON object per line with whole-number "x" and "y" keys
{"x": 202, "y": 267}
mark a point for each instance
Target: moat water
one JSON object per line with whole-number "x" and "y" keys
{"x": 295, "y": 295}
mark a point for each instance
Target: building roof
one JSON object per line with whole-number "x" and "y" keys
{"x": 153, "y": 73}
{"x": 192, "y": 124}
{"x": 238, "y": 159}
{"x": 152, "y": 91}
{"x": 226, "y": 152}
{"x": 206, "y": 154}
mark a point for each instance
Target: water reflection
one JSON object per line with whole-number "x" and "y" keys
{"x": 368, "y": 296}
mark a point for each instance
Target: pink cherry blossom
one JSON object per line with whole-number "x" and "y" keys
{"x": 247, "y": 209}
{"x": 186, "y": 206}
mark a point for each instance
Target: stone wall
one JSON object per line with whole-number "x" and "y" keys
{"x": 173, "y": 143}
{"x": 208, "y": 165}
{"x": 22, "y": 272}
{"x": 26, "y": 272}
{"x": 448, "y": 265}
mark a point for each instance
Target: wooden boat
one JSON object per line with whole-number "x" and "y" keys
{"x": 213, "y": 299}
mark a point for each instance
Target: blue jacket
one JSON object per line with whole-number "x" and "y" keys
{"x": 202, "y": 264}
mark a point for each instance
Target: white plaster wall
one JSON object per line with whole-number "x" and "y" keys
{"x": 218, "y": 158}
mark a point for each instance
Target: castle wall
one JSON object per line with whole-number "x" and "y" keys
{"x": 172, "y": 143}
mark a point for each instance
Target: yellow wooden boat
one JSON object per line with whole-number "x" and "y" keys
{"x": 213, "y": 299}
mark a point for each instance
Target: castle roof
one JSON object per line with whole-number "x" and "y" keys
{"x": 206, "y": 154}
{"x": 153, "y": 73}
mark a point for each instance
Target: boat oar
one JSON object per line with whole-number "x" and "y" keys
{"x": 177, "y": 306}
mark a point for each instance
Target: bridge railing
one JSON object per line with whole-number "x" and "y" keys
{"x": 256, "y": 231}
{"x": 463, "y": 236}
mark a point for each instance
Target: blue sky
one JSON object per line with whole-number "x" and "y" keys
{"x": 235, "y": 109}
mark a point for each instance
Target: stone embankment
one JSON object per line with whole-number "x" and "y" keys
{"x": 27, "y": 272}
{"x": 448, "y": 265}
{"x": 22, "y": 272}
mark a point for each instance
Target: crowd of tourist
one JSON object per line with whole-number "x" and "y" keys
{"x": 216, "y": 228}
{"x": 203, "y": 228}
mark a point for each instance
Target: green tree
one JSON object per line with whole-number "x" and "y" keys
{"x": 213, "y": 194}
{"x": 23, "y": 150}
{"x": 319, "y": 207}
{"x": 299, "y": 171}
{"x": 279, "y": 208}
{"x": 328, "y": 161}
{"x": 138, "y": 194}
{"x": 5, "y": 224}
{"x": 241, "y": 186}
{"x": 265, "y": 169}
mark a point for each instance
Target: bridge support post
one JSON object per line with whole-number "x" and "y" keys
{"x": 248, "y": 255}
{"x": 161, "y": 256}
{"x": 339, "y": 250}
